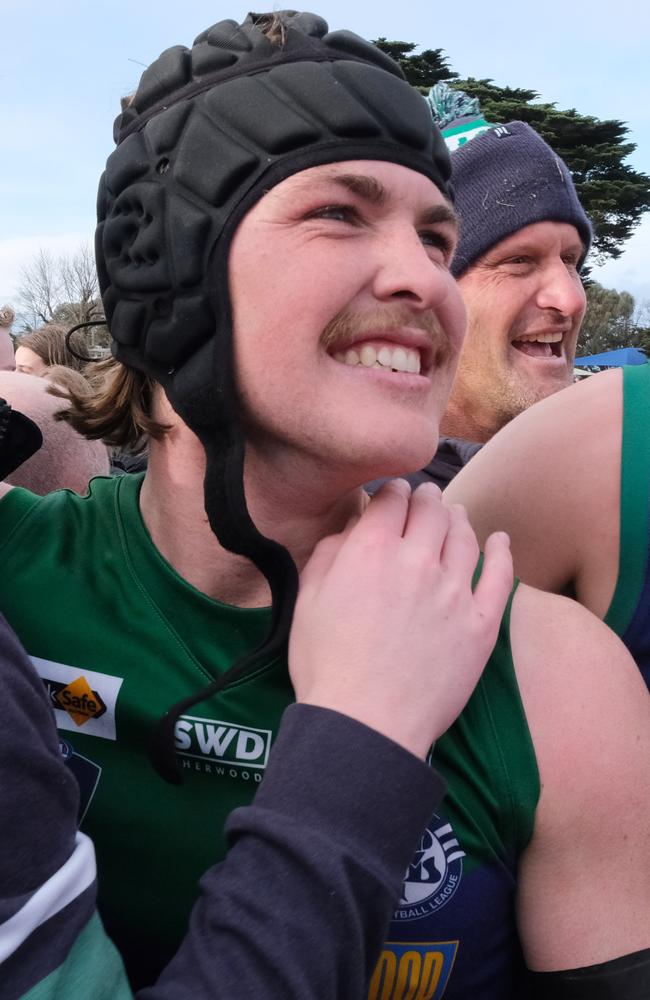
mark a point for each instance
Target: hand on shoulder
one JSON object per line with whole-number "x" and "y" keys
{"x": 387, "y": 628}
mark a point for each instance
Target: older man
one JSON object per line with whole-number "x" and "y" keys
{"x": 274, "y": 245}
{"x": 523, "y": 239}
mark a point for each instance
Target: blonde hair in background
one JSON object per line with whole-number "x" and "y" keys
{"x": 49, "y": 343}
{"x": 114, "y": 406}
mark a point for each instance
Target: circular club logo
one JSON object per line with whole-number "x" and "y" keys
{"x": 434, "y": 874}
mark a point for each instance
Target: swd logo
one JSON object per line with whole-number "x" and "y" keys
{"x": 224, "y": 742}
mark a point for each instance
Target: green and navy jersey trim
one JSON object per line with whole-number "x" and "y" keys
{"x": 635, "y": 497}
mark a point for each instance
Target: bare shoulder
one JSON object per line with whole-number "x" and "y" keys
{"x": 571, "y": 665}
{"x": 588, "y": 712}
{"x": 4, "y": 489}
{"x": 551, "y": 479}
{"x": 546, "y": 442}
{"x": 559, "y": 428}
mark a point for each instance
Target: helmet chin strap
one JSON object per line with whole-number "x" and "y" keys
{"x": 225, "y": 505}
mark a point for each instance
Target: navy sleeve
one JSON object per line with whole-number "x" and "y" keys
{"x": 47, "y": 870}
{"x": 300, "y": 907}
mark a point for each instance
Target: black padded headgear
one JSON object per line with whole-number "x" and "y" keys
{"x": 209, "y": 130}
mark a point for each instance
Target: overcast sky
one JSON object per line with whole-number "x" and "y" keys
{"x": 65, "y": 65}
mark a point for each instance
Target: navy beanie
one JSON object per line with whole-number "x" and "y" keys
{"x": 505, "y": 179}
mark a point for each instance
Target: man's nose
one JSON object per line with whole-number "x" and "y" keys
{"x": 406, "y": 271}
{"x": 562, "y": 290}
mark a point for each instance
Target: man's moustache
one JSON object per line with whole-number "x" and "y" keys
{"x": 349, "y": 327}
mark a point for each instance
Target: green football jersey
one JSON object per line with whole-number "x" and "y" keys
{"x": 118, "y": 637}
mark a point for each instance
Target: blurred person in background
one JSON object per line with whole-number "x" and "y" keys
{"x": 65, "y": 460}
{"x": 46, "y": 346}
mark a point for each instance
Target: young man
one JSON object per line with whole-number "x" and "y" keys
{"x": 274, "y": 249}
{"x": 570, "y": 480}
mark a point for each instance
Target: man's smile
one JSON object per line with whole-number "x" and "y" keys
{"x": 380, "y": 354}
{"x": 541, "y": 344}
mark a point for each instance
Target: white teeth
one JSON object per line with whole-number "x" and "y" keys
{"x": 398, "y": 359}
{"x": 541, "y": 338}
{"x": 368, "y": 356}
{"x": 413, "y": 362}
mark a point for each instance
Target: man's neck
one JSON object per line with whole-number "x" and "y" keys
{"x": 171, "y": 503}
{"x": 467, "y": 425}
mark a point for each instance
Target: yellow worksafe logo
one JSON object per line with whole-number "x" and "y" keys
{"x": 409, "y": 970}
{"x": 80, "y": 702}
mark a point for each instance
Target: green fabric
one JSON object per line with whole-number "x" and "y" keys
{"x": 93, "y": 593}
{"x": 84, "y": 586}
{"x": 92, "y": 971}
{"x": 635, "y": 497}
{"x": 489, "y": 760}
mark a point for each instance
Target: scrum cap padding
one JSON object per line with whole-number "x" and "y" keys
{"x": 209, "y": 130}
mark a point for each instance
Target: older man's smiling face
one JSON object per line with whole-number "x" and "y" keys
{"x": 525, "y": 304}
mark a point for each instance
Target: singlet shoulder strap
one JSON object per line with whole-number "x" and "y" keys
{"x": 635, "y": 497}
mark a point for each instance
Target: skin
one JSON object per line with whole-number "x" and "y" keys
{"x": 555, "y": 506}
{"x": 526, "y": 285}
{"x": 65, "y": 460}
{"x": 375, "y": 258}
{"x": 28, "y": 362}
{"x": 316, "y": 430}
{"x": 339, "y": 605}
{"x": 589, "y": 716}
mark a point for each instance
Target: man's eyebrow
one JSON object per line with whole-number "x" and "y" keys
{"x": 368, "y": 188}
{"x": 374, "y": 192}
{"x": 439, "y": 213}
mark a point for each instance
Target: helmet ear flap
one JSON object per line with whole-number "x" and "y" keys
{"x": 133, "y": 240}
{"x": 193, "y": 315}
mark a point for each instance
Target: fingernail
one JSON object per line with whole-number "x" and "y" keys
{"x": 402, "y": 485}
{"x": 430, "y": 488}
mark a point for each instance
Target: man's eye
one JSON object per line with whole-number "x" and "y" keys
{"x": 338, "y": 213}
{"x": 519, "y": 262}
{"x": 437, "y": 240}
